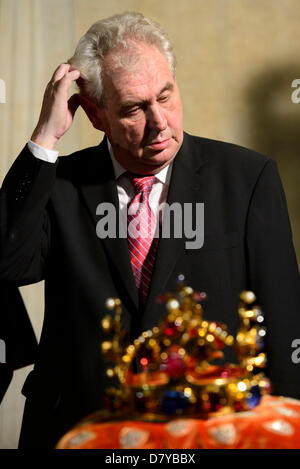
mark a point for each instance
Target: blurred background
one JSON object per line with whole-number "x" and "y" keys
{"x": 237, "y": 60}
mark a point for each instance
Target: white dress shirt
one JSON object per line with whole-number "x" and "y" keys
{"x": 158, "y": 194}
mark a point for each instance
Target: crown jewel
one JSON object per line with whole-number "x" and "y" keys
{"x": 178, "y": 376}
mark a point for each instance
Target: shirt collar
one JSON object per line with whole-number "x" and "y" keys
{"x": 163, "y": 176}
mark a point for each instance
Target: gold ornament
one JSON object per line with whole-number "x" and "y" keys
{"x": 178, "y": 376}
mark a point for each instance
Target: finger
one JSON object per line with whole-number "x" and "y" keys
{"x": 72, "y": 68}
{"x": 73, "y": 103}
{"x": 66, "y": 81}
{"x": 73, "y": 75}
{"x": 61, "y": 70}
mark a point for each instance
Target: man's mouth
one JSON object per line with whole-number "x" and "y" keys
{"x": 158, "y": 144}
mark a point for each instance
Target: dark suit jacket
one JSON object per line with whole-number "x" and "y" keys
{"x": 48, "y": 231}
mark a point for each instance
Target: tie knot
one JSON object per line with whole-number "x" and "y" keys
{"x": 141, "y": 183}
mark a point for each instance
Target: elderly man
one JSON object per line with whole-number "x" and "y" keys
{"x": 51, "y": 208}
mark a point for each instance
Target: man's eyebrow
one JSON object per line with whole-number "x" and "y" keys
{"x": 128, "y": 104}
{"x": 168, "y": 87}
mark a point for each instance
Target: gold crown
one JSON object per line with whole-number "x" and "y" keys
{"x": 178, "y": 376}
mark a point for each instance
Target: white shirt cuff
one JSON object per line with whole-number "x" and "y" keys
{"x": 42, "y": 153}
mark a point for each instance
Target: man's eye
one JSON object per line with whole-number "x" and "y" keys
{"x": 131, "y": 111}
{"x": 163, "y": 98}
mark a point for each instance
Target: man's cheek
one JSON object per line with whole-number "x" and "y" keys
{"x": 133, "y": 136}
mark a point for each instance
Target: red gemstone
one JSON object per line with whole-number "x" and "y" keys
{"x": 174, "y": 364}
{"x": 171, "y": 328}
{"x": 226, "y": 373}
{"x": 144, "y": 362}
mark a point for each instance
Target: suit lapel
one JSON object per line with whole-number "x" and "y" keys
{"x": 183, "y": 189}
{"x": 101, "y": 188}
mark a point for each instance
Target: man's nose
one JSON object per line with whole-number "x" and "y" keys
{"x": 156, "y": 118}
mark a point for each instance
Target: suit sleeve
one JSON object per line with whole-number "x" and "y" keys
{"x": 24, "y": 223}
{"x": 18, "y": 343}
{"x": 274, "y": 277}
{"x": 15, "y": 328}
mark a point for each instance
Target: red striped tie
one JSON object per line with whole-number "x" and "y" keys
{"x": 141, "y": 230}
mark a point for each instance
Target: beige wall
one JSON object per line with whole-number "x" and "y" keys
{"x": 236, "y": 62}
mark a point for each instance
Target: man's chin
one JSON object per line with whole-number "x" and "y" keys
{"x": 158, "y": 157}
{"x": 155, "y": 162}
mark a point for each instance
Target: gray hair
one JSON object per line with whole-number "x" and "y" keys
{"x": 108, "y": 34}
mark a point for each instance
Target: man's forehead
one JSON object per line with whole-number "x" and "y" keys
{"x": 149, "y": 73}
{"x": 133, "y": 52}
{"x": 137, "y": 59}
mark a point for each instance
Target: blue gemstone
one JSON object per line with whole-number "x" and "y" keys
{"x": 254, "y": 396}
{"x": 174, "y": 401}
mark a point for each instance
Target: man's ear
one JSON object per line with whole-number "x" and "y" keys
{"x": 94, "y": 113}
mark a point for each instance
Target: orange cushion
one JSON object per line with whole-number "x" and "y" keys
{"x": 273, "y": 424}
